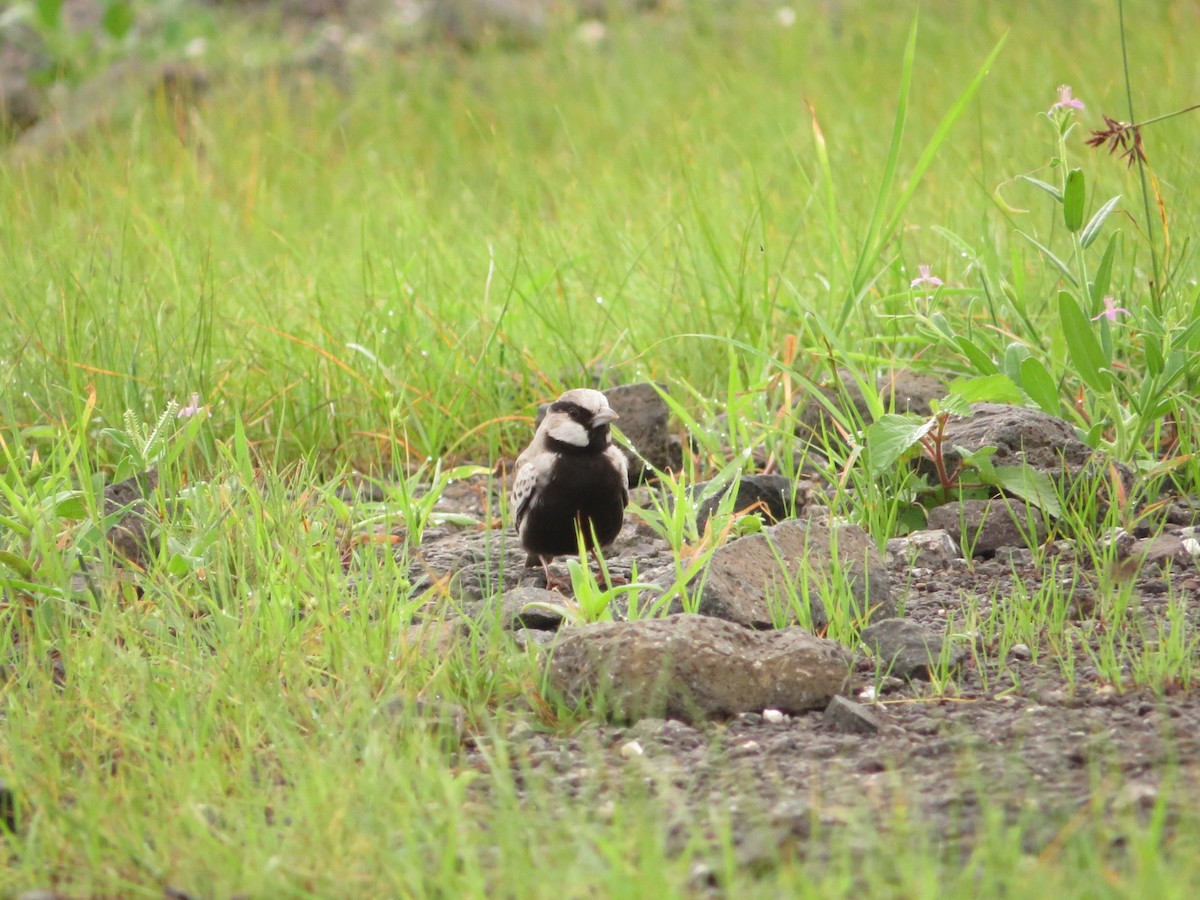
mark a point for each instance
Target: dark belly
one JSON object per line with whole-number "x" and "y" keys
{"x": 579, "y": 490}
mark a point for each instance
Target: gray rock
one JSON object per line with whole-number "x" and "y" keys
{"x": 128, "y": 536}
{"x": 1030, "y": 437}
{"x": 987, "y": 525}
{"x": 846, "y": 715}
{"x": 473, "y": 23}
{"x": 694, "y": 668}
{"x": 773, "y": 496}
{"x": 1166, "y": 549}
{"x": 527, "y": 638}
{"x": 20, "y": 104}
{"x": 933, "y": 549}
{"x": 906, "y": 650}
{"x": 469, "y": 565}
{"x": 759, "y": 580}
{"x": 515, "y": 611}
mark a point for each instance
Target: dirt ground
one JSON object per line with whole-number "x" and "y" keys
{"x": 1013, "y": 734}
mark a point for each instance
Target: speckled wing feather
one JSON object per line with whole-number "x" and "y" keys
{"x": 621, "y": 464}
{"x": 532, "y": 466}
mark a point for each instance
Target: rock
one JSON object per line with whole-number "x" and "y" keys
{"x": 526, "y": 638}
{"x": 128, "y": 536}
{"x": 644, "y": 420}
{"x": 474, "y": 23}
{"x": 846, "y": 715}
{"x": 988, "y": 525}
{"x": 20, "y": 104}
{"x": 759, "y": 580}
{"x": 1031, "y": 437}
{"x": 1164, "y": 550}
{"x": 445, "y": 720}
{"x": 694, "y": 668}
{"x": 515, "y": 612}
{"x": 906, "y": 650}
{"x": 110, "y": 95}
{"x": 468, "y": 565}
{"x": 772, "y": 496}
{"x": 933, "y": 549}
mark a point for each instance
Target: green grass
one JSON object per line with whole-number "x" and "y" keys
{"x": 376, "y": 280}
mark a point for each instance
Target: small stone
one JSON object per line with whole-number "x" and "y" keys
{"x": 867, "y": 694}
{"x": 1020, "y": 651}
{"x": 526, "y": 638}
{"x": 906, "y": 650}
{"x": 631, "y": 749}
{"x": 532, "y": 608}
{"x": 846, "y": 715}
{"x": 774, "y": 716}
{"x": 934, "y": 549}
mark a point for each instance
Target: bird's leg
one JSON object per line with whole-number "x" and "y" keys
{"x": 553, "y": 582}
{"x": 609, "y": 578}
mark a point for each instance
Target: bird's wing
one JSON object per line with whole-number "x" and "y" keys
{"x": 621, "y": 464}
{"x": 529, "y": 473}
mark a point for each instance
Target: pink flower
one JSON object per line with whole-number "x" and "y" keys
{"x": 186, "y": 412}
{"x": 926, "y": 278}
{"x": 1065, "y": 100}
{"x": 1111, "y": 310}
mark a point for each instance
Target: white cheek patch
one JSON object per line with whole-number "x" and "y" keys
{"x": 569, "y": 432}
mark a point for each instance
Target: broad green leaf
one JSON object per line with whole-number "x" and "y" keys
{"x": 1082, "y": 346}
{"x": 1074, "y": 198}
{"x": 996, "y": 388}
{"x": 68, "y": 505}
{"x": 1037, "y": 382}
{"x": 1014, "y": 354}
{"x": 1092, "y": 230}
{"x": 892, "y": 436}
{"x": 1034, "y": 487}
{"x": 976, "y": 356}
{"x": 117, "y": 19}
{"x": 49, "y": 13}
{"x": 1103, "y": 272}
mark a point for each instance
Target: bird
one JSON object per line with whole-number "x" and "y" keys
{"x": 571, "y": 477}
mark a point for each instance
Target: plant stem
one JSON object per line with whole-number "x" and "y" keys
{"x": 1155, "y": 284}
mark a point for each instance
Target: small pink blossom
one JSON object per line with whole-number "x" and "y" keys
{"x": 186, "y": 412}
{"x": 926, "y": 278}
{"x": 1065, "y": 100}
{"x": 1111, "y": 311}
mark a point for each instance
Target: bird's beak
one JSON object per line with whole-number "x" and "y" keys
{"x": 604, "y": 416}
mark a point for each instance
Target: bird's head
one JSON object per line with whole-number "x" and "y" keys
{"x": 579, "y": 420}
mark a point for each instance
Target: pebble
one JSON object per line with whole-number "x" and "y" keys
{"x": 774, "y": 716}
{"x": 631, "y": 750}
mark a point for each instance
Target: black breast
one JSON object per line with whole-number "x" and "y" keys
{"x": 584, "y": 488}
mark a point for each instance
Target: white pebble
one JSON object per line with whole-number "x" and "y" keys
{"x": 632, "y": 749}
{"x": 774, "y": 716}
